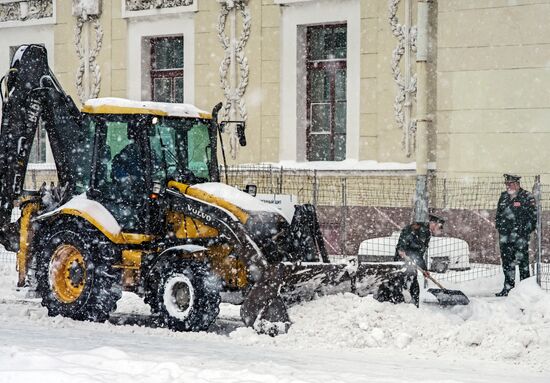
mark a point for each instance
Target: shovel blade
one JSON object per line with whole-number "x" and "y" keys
{"x": 450, "y": 297}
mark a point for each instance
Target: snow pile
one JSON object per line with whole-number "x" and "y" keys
{"x": 8, "y": 279}
{"x": 109, "y": 364}
{"x": 514, "y": 329}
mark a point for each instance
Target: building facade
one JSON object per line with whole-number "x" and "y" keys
{"x": 317, "y": 81}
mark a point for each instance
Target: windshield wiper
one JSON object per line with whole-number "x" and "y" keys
{"x": 179, "y": 167}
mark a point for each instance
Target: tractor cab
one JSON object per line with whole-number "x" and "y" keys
{"x": 138, "y": 147}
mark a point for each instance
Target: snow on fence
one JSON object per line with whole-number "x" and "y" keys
{"x": 362, "y": 211}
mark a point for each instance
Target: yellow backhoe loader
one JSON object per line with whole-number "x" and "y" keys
{"x": 140, "y": 207}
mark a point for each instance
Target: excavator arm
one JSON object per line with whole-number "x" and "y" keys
{"x": 30, "y": 94}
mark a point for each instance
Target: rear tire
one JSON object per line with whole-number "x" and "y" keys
{"x": 184, "y": 294}
{"x": 74, "y": 272}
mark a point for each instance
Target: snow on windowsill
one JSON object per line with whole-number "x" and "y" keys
{"x": 345, "y": 165}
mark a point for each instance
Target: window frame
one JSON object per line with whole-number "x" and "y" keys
{"x": 101, "y": 136}
{"x": 331, "y": 66}
{"x": 171, "y": 73}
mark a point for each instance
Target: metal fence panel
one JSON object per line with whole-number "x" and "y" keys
{"x": 8, "y": 256}
{"x": 362, "y": 212}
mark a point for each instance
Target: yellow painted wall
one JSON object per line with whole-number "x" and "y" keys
{"x": 493, "y": 81}
{"x": 112, "y": 56}
{"x": 262, "y": 93}
{"x": 379, "y": 138}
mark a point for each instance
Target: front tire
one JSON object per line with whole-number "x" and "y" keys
{"x": 184, "y": 294}
{"x": 74, "y": 272}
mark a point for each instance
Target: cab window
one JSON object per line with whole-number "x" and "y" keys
{"x": 181, "y": 150}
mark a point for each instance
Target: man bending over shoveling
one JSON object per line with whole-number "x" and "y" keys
{"x": 411, "y": 247}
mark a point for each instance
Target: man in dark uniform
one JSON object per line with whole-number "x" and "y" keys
{"x": 516, "y": 219}
{"x": 412, "y": 244}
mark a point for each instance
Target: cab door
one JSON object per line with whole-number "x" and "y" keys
{"x": 120, "y": 179}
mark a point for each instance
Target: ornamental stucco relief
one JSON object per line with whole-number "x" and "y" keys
{"x": 234, "y": 70}
{"x": 26, "y": 10}
{"x": 140, "y": 5}
{"x": 406, "y": 80}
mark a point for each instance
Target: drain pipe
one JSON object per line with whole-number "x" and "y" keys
{"x": 422, "y": 117}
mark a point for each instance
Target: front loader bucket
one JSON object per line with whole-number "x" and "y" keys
{"x": 306, "y": 240}
{"x": 384, "y": 280}
{"x": 299, "y": 279}
{"x": 263, "y": 307}
{"x": 308, "y": 280}
{"x": 309, "y": 272}
{"x": 281, "y": 286}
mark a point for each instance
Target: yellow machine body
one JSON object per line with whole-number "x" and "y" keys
{"x": 226, "y": 265}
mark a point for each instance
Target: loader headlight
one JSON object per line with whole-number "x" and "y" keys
{"x": 251, "y": 189}
{"x": 157, "y": 187}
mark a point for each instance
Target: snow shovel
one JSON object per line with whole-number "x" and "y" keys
{"x": 447, "y": 297}
{"x": 444, "y": 297}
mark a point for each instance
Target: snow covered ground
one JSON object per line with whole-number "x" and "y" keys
{"x": 342, "y": 338}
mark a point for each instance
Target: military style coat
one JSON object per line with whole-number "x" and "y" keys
{"x": 414, "y": 240}
{"x": 516, "y": 214}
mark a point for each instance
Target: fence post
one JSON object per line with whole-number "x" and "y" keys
{"x": 281, "y": 181}
{"x": 421, "y": 199}
{"x": 270, "y": 179}
{"x": 444, "y": 193}
{"x": 538, "y": 251}
{"x": 343, "y": 235}
{"x": 315, "y": 188}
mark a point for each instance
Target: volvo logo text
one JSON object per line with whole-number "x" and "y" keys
{"x": 198, "y": 212}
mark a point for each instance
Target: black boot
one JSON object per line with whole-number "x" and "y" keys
{"x": 503, "y": 293}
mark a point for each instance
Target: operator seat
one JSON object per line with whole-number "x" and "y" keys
{"x": 104, "y": 153}
{"x": 127, "y": 166}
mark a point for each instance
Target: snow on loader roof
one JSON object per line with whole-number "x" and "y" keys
{"x": 114, "y": 105}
